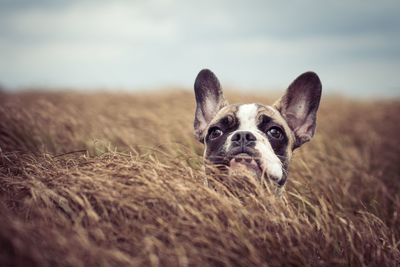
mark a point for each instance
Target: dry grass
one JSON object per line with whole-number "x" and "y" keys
{"x": 132, "y": 191}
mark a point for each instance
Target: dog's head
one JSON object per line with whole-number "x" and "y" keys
{"x": 255, "y": 138}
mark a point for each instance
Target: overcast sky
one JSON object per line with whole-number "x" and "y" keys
{"x": 353, "y": 45}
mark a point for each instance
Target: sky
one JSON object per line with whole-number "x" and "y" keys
{"x": 354, "y": 46}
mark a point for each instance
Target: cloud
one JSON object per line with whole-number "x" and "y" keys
{"x": 80, "y": 22}
{"x": 353, "y": 44}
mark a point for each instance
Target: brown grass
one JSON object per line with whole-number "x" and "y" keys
{"x": 116, "y": 180}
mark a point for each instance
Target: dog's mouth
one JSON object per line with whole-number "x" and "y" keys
{"x": 248, "y": 161}
{"x": 244, "y": 162}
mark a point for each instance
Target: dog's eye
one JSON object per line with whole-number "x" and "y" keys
{"x": 215, "y": 133}
{"x": 275, "y": 133}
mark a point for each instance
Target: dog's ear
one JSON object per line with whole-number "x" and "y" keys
{"x": 299, "y": 106}
{"x": 209, "y": 100}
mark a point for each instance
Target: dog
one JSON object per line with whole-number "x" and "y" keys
{"x": 255, "y": 138}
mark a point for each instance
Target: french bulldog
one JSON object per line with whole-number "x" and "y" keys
{"x": 256, "y": 138}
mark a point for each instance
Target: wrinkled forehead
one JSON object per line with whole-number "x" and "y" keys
{"x": 249, "y": 112}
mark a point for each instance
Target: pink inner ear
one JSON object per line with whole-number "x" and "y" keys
{"x": 206, "y": 112}
{"x": 209, "y": 100}
{"x": 210, "y": 108}
{"x": 300, "y": 104}
{"x": 293, "y": 120}
{"x": 303, "y": 126}
{"x": 306, "y": 130}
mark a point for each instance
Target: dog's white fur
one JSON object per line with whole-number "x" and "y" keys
{"x": 270, "y": 163}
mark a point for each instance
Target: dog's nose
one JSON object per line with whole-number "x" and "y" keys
{"x": 244, "y": 138}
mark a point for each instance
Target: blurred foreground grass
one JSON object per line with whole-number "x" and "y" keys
{"x": 107, "y": 179}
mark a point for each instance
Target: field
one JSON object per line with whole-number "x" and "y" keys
{"x": 116, "y": 179}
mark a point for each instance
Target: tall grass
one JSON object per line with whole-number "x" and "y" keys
{"x": 116, "y": 180}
